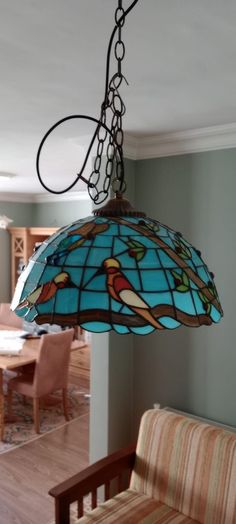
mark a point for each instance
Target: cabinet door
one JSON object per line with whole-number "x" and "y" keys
{"x": 23, "y": 240}
{"x": 18, "y": 253}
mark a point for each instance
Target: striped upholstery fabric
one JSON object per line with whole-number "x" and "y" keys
{"x": 129, "y": 507}
{"x": 187, "y": 465}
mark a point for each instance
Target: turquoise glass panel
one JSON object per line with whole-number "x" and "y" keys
{"x": 203, "y": 274}
{"x": 27, "y": 289}
{"x": 103, "y": 240}
{"x": 170, "y": 278}
{"x": 150, "y": 260}
{"x": 215, "y": 315}
{"x": 198, "y": 303}
{"x": 90, "y": 300}
{"x": 147, "y": 242}
{"x": 196, "y": 258}
{"x": 162, "y": 232}
{"x": 169, "y": 323}
{"x": 97, "y": 256}
{"x": 31, "y": 315}
{"x": 154, "y": 280}
{"x": 184, "y": 302}
{"x": 133, "y": 278}
{"x": 96, "y": 327}
{"x": 189, "y": 263}
{"x": 113, "y": 230}
{"x": 67, "y": 276}
{"x": 165, "y": 260}
{"x": 67, "y": 301}
{"x": 127, "y": 262}
{"x": 122, "y": 330}
{"x": 82, "y": 253}
{"x": 116, "y": 306}
{"x": 120, "y": 245}
{"x": 70, "y": 259}
{"x": 126, "y": 310}
{"x": 75, "y": 275}
{"x": 89, "y": 279}
{"x": 169, "y": 243}
{"x": 98, "y": 283}
{"x": 49, "y": 274}
{"x": 155, "y": 299}
{"x": 43, "y": 308}
{"x": 144, "y": 330}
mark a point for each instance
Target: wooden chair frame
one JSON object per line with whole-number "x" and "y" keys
{"x": 87, "y": 481}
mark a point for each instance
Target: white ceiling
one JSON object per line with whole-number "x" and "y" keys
{"x": 180, "y": 64}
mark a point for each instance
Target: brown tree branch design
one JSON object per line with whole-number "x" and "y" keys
{"x": 174, "y": 256}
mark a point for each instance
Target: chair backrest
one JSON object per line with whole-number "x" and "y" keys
{"x": 8, "y": 317}
{"x": 51, "y": 369}
{"x": 188, "y": 465}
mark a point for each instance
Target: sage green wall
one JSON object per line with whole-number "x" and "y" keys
{"x": 21, "y": 214}
{"x": 192, "y": 369}
{"x": 53, "y": 214}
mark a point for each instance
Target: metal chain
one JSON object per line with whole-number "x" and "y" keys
{"x": 112, "y": 108}
{"x": 109, "y": 124}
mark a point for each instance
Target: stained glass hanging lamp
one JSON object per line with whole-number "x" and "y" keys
{"x": 118, "y": 269}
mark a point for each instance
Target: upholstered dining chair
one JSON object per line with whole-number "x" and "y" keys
{"x": 8, "y": 317}
{"x": 50, "y": 373}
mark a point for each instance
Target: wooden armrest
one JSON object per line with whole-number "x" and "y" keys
{"x": 88, "y": 480}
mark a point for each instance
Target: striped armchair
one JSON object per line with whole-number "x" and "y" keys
{"x": 183, "y": 472}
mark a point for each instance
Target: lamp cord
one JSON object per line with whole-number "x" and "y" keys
{"x": 113, "y": 101}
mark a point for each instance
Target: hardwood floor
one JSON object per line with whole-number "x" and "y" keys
{"x": 27, "y": 473}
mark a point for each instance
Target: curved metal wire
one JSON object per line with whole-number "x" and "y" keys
{"x": 79, "y": 175}
{"x": 100, "y": 123}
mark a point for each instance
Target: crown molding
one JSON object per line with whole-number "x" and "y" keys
{"x": 26, "y": 198}
{"x": 40, "y": 198}
{"x": 144, "y": 147}
{"x": 131, "y": 145}
{"x": 32, "y": 198}
{"x": 180, "y": 142}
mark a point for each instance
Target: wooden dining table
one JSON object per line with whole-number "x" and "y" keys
{"x": 27, "y": 355}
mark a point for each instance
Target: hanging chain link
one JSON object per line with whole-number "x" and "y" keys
{"x": 108, "y": 132}
{"x": 112, "y": 112}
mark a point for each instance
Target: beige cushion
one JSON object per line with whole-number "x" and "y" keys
{"x": 188, "y": 465}
{"x": 129, "y": 507}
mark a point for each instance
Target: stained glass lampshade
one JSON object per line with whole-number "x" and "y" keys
{"x": 128, "y": 273}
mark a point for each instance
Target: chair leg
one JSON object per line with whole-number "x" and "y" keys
{"x": 65, "y": 403}
{"x": 36, "y": 414}
{"x": 9, "y": 402}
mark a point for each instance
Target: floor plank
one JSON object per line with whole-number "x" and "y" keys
{"x": 27, "y": 473}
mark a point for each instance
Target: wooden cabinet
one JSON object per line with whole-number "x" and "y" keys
{"x": 23, "y": 241}
{"x": 80, "y": 362}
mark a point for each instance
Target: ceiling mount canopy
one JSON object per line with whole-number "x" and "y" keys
{"x": 118, "y": 269}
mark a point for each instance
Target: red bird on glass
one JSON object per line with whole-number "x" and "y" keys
{"x": 121, "y": 290}
{"x": 44, "y": 292}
